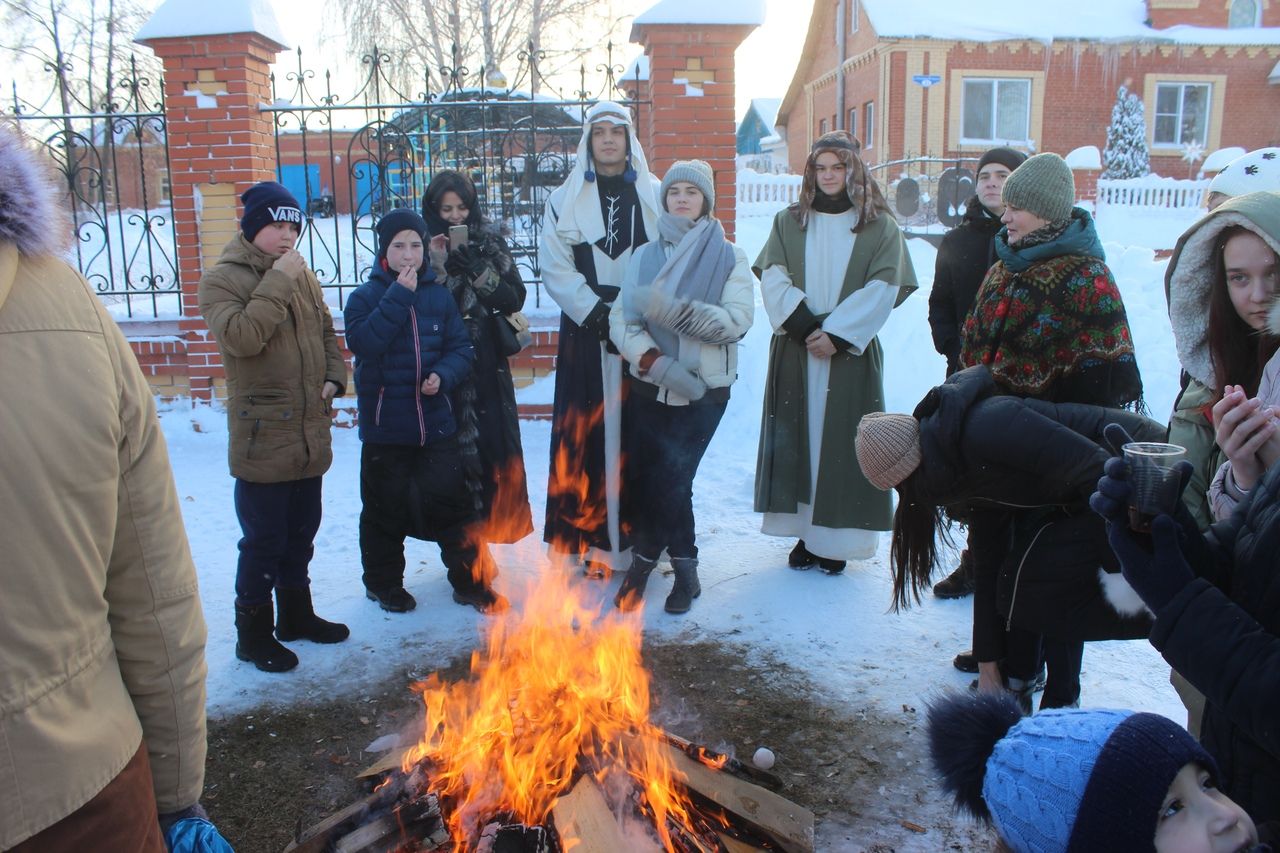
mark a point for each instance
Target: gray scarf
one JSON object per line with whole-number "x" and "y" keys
{"x": 696, "y": 272}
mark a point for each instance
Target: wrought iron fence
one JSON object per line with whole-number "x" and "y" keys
{"x": 927, "y": 194}
{"x": 348, "y": 160}
{"x": 112, "y": 154}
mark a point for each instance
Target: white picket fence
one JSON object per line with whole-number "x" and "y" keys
{"x": 764, "y": 195}
{"x": 1152, "y": 192}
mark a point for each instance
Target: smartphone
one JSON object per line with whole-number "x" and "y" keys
{"x": 457, "y": 236}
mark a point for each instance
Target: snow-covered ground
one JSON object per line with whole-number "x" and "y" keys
{"x": 837, "y": 630}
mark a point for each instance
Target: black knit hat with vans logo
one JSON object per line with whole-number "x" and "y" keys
{"x": 265, "y": 203}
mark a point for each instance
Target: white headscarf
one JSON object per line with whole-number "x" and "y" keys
{"x": 579, "y": 214}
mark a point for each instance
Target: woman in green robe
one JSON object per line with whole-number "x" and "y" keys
{"x": 833, "y": 268}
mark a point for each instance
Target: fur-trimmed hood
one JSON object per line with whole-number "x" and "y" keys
{"x": 30, "y": 218}
{"x": 1189, "y": 277}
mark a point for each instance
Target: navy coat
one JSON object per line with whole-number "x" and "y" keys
{"x": 1222, "y": 632}
{"x": 400, "y": 337}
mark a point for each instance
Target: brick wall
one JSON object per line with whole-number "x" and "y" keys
{"x": 1074, "y": 86}
{"x": 695, "y": 119}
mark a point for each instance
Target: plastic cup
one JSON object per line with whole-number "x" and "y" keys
{"x": 1154, "y": 480}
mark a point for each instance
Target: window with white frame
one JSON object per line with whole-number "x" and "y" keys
{"x": 853, "y": 15}
{"x": 1244, "y": 13}
{"x": 868, "y": 123}
{"x": 1182, "y": 113}
{"x": 853, "y": 122}
{"x": 822, "y": 126}
{"x": 996, "y": 110}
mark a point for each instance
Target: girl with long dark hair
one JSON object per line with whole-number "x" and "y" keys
{"x": 1228, "y": 343}
{"x": 488, "y": 289}
{"x": 967, "y": 451}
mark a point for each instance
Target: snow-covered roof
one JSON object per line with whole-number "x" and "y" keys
{"x": 999, "y": 20}
{"x": 767, "y": 109}
{"x": 177, "y": 18}
{"x": 741, "y": 12}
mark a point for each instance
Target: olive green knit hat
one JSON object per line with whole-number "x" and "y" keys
{"x": 1043, "y": 185}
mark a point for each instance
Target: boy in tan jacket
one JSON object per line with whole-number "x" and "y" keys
{"x": 275, "y": 333}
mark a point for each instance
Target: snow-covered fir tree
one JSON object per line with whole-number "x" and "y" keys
{"x": 1126, "y": 153}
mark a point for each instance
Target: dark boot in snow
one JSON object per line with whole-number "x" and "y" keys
{"x": 395, "y": 599}
{"x": 686, "y": 588}
{"x": 296, "y": 620}
{"x": 800, "y": 558}
{"x": 482, "y": 598}
{"x": 959, "y": 583}
{"x": 254, "y": 642}
{"x": 831, "y": 567}
{"x": 631, "y": 593}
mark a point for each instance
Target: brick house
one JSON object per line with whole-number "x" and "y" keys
{"x": 920, "y": 77}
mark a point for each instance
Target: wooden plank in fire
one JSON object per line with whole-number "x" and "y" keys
{"x": 317, "y": 837}
{"x": 584, "y": 821}
{"x": 790, "y": 825}
{"x": 390, "y": 760}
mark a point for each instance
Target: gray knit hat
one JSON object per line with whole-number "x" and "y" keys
{"x": 888, "y": 448}
{"x": 696, "y": 172}
{"x": 1044, "y": 186}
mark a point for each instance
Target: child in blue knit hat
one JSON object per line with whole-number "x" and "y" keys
{"x": 1092, "y": 781}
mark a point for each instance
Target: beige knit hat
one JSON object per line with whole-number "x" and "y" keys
{"x": 888, "y": 448}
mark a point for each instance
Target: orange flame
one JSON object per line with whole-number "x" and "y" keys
{"x": 559, "y": 690}
{"x": 569, "y": 482}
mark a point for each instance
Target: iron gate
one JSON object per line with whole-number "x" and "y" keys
{"x": 350, "y": 160}
{"x": 113, "y": 159}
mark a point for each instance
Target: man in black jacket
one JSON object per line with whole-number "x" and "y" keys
{"x": 966, "y": 253}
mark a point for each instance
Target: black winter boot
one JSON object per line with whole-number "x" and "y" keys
{"x": 254, "y": 642}
{"x": 800, "y": 558}
{"x": 631, "y": 593}
{"x": 686, "y": 588}
{"x": 959, "y": 583}
{"x": 296, "y": 620}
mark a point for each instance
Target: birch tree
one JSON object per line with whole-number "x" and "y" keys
{"x": 472, "y": 38}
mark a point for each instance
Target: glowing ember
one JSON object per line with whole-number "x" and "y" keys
{"x": 557, "y": 692}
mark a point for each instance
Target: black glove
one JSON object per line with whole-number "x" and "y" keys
{"x": 1112, "y": 495}
{"x": 597, "y": 321}
{"x": 1156, "y": 574}
{"x": 465, "y": 262}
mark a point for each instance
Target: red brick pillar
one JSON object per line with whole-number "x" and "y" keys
{"x": 691, "y": 90}
{"x": 220, "y": 144}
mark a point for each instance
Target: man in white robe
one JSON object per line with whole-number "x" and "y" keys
{"x": 593, "y": 223}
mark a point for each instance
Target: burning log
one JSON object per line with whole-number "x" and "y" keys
{"x": 548, "y": 747}
{"x": 789, "y": 825}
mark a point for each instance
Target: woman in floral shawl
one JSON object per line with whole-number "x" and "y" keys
{"x": 1050, "y": 324}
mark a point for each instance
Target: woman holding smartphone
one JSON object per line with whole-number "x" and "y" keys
{"x": 471, "y": 257}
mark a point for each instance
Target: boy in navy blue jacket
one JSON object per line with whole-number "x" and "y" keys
{"x": 412, "y": 351}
